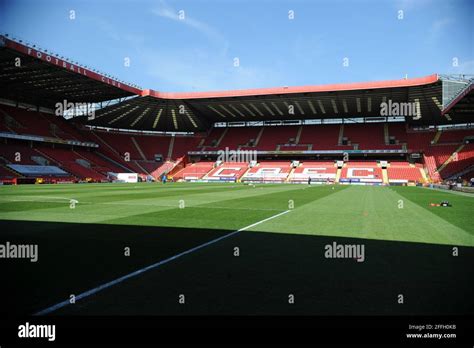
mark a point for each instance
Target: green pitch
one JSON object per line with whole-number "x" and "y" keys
{"x": 399, "y": 214}
{"x": 83, "y": 230}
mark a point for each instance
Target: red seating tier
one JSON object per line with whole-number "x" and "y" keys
{"x": 229, "y": 170}
{"x": 272, "y": 136}
{"x": 455, "y": 136}
{"x": 194, "y": 170}
{"x": 238, "y": 136}
{"x": 465, "y": 159}
{"x": 404, "y": 173}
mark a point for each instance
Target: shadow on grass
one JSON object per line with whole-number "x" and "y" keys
{"x": 74, "y": 258}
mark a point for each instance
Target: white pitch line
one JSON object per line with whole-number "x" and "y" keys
{"x": 150, "y": 267}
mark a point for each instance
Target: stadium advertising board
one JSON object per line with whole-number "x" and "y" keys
{"x": 127, "y": 177}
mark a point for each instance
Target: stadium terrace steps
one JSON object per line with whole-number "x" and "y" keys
{"x": 298, "y": 135}
{"x": 341, "y": 134}
{"x": 98, "y": 161}
{"x": 259, "y": 136}
{"x": 436, "y": 137}
{"x": 66, "y": 160}
{"x": 214, "y": 137}
{"x": 455, "y": 136}
{"x": 178, "y": 166}
{"x": 171, "y": 147}
{"x": 194, "y": 171}
{"x": 122, "y": 143}
{"x": 238, "y": 137}
{"x": 290, "y": 176}
{"x": 459, "y": 162}
{"x": 450, "y": 158}
{"x": 117, "y": 163}
{"x": 65, "y": 130}
{"x": 166, "y": 167}
{"x": 338, "y": 175}
{"x": 385, "y": 179}
{"x": 227, "y": 170}
{"x": 142, "y": 170}
{"x": 138, "y": 148}
{"x": 430, "y": 164}
{"x": 8, "y": 173}
{"x": 222, "y": 137}
{"x": 435, "y": 157}
{"x": 102, "y": 141}
{"x": 386, "y": 134}
{"x": 423, "y": 175}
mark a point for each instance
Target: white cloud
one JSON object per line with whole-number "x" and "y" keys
{"x": 166, "y": 11}
{"x": 440, "y": 24}
{"x": 204, "y": 67}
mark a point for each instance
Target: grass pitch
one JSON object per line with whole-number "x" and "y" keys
{"x": 409, "y": 249}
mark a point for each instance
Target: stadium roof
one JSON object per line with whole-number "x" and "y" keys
{"x": 33, "y": 76}
{"x": 462, "y": 105}
{"x": 196, "y": 111}
{"x": 44, "y": 79}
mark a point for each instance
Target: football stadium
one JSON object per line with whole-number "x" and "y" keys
{"x": 350, "y": 198}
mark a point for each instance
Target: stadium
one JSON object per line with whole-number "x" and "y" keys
{"x": 331, "y": 199}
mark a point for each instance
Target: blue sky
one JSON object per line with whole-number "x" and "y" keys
{"x": 197, "y": 52}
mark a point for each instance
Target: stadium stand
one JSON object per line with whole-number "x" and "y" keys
{"x": 401, "y": 172}
{"x": 239, "y": 137}
{"x": 268, "y": 171}
{"x": 22, "y": 121}
{"x": 274, "y": 136}
{"x": 180, "y": 145}
{"x": 357, "y": 134}
{"x": 322, "y": 137}
{"x": 18, "y": 152}
{"x": 361, "y": 171}
{"x": 316, "y": 170}
{"x": 328, "y": 121}
{"x": 463, "y": 159}
{"x": 194, "y": 171}
{"x": 71, "y": 162}
{"x": 228, "y": 171}
{"x": 454, "y": 136}
{"x": 418, "y": 141}
{"x": 214, "y": 137}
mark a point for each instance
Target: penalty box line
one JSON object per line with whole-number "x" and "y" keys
{"x": 150, "y": 267}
